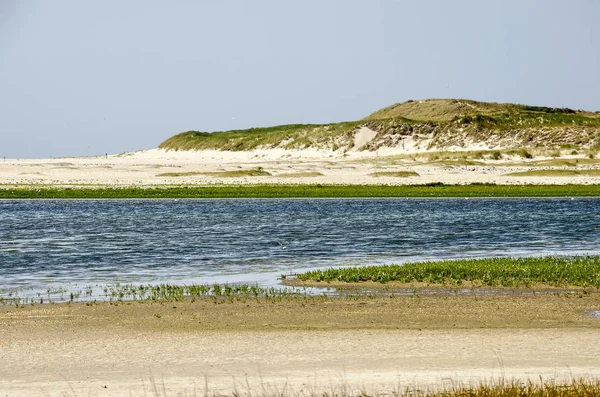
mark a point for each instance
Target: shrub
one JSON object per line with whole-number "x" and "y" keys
{"x": 525, "y": 154}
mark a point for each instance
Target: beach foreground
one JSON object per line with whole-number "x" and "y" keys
{"x": 297, "y": 345}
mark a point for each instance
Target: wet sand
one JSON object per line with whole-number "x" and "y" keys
{"x": 304, "y": 345}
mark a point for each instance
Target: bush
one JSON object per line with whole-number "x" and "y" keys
{"x": 525, "y": 154}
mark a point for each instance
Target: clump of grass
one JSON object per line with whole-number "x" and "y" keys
{"x": 238, "y": 173}
{"x": 177, "y": 293}
{"x": 575, "y": 388}
{"x": 455, "y": 162}
{"x": 397, "y": 174}
{"x": 557, "y": 173}
{"x": 178, "y": 174}
{"x": 554, "y": 163}
{"x": 307, "y": 174}
{"x": 581, "y": 271}
{"x": 524, "y": 153}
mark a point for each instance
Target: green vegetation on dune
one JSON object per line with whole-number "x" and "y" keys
{"x": 294, "y": 136}
{"x": 303, "y": 191}
{"x": 440, "y": 110}
{"x": 583, "y": 271}
{"x": 446, "y": 122}
{"x": 505, "y": 121}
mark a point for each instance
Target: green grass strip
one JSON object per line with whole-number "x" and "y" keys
{"x": 302, "y": 191}
{"x": 581, "y": 271}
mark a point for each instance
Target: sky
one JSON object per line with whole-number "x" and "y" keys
{"x": 80, "y": 78}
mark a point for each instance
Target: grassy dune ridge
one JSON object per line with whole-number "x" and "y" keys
{"x": 581, "y": 271}
{"x": 437, "y": 123}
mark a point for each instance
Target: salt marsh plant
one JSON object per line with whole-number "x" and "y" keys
{"x": 158, "y": 293}
{"x": 582, "y": 271}
{"x": 305, "y": 191}
{"x": 177, "y": 293}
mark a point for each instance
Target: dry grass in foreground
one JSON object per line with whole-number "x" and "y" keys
{"x": 575, "y": 388}
{"x": 579, "y": 388}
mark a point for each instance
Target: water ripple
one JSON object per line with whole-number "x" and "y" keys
{"x": 90, "y": 241}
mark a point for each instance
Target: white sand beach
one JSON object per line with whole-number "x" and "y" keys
{"x": 159, "y": 167}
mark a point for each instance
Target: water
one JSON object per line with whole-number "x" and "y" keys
{"x": 94, "y": 242}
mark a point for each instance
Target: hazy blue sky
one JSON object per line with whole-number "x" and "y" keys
{"x": 90, "y": 77}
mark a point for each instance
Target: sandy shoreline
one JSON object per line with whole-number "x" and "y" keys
{"x": 147, "y": 168}
{"x": 380, "y": 360}
{"x": 367, "y": 344}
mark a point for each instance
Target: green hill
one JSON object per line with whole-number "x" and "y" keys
{"x": 431, "y": 123}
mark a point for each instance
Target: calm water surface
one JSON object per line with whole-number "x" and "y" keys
{"x": 86, "y": 242}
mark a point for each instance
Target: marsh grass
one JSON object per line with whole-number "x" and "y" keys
{"x": 168, "y": 292}
{"x": 300, "y": 191}
{"x": 118, "y": 293}
{"x": 557, "y": 173}
{"x": 396, "y": 174}
{"x": 582, "y": 271}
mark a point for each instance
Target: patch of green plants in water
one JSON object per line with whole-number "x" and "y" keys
{"x": 583, "y": 271}
{"x": 219, "y": 293}
{"x": 303, "y": 191}
{"x": 169, "y": 292}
